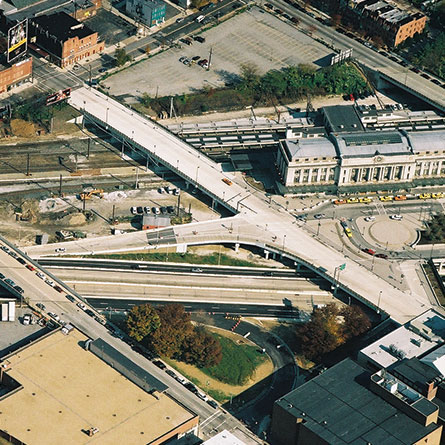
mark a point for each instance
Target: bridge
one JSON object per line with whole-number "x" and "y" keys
{"x": 258, "y": 222}
{"x": 414, "y": 84}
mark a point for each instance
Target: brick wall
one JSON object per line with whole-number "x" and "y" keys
{"x": 14, "y": 74}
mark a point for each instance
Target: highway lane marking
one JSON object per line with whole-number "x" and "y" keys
{"x": 205, "y": 273}
{"x": 230, "y": 289}
{"x": 185, "y": 300}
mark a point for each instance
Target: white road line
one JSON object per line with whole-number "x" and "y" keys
{"x": 229, "y": 289}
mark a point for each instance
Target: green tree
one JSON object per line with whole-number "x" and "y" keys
{"x": 201, "y": 349}
{"x": 356, "y": 322}
{"x": 121, "y": 57}
{"x": 142, "y": 321}
{"x": 249, "y": 77}
{"x": 175, "y": 327}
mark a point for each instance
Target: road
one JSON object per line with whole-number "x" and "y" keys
{"x": 198, "y": 287}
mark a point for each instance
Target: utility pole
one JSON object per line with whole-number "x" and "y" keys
{"x": 210, "y": 58}
{"x": 27, "y": 165}
{"x": 179, "y": 203}
{"x": 88, "y": 148}
{"x": 137, "y": 178}
{"x": 90, "y": 75}
{"x": 60, "y": 185}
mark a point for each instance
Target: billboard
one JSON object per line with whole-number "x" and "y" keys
{"x": 57, "y": 97}
{"x": 17, "y": 40}
{"x": 343, "y": 55}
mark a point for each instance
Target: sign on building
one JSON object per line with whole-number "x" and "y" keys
{"x": 17, "y": 40}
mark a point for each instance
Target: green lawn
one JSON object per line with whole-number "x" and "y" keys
{"x": 190, "y": 258}
{"x": 238, "y": 363}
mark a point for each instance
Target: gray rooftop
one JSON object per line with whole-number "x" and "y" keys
{"x": 309, "y": 148}
{"x": 338, "y": 406}
{"x": 371, "y": 143}
{"x": 431, "y": 141}
{"x": 126, "y": 367}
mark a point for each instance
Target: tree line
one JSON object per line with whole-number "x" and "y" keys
{"x": 330, "y": 327}
{"x": 286, "y": 85}
{"x": 169, "y": 332}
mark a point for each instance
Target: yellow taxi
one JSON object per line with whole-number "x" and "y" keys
{"x": 366, "y": 199}
{"x": 386, "y": 198}
{"x": 437, "y": 195}
{"x": 425, "y": 196}
{"x": 352, "y": 200}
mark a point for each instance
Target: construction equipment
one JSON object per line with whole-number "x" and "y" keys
{"x": 87, "y": 195}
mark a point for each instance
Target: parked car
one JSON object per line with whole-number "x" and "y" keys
{"x": 170, "y": 209}
{"x": 134, "y": 210}
{"x": 319, "y": 216}
{"x": 182, "y": 58}
{"x": 41, "y": 275}
{"x": 156, "y": 210}
{"x": 10, "y": 282}
{"x": 191, "y": 387}
{"x": 381, "y": 255}
{"x": 212, "y": 403}
{"x": 369, "y": 251}
{"x": 2, "y": 276}
{"x": 197, "y": 270}
{"x": 21, "y": 260}
{"x": 41, "y": 306}
{"x": 180, "y": 20}
{"x": 53, "y": 315}
{"x": 49, "y": 282}
{"x": 60, "y": 249}
{"x": 19, "y": 289}
{"x": 159, "y": 364}
{"x": 58, "y": 289}
{"x": 81, "y": 306}
{"x": 199, "y": 39}
{"x": 30, "y": 267}
{"x": 163, "y": 210}
{"x": 90, "y": 313}
{"x": 140, "y": 210}
{"x": 202, "y": 396}
{"x": 171, "y": 373}
{"x": 396, "y": 217}
{"x": 370, "y": 218}
{"x": 176, "y": 191}
{"x": 147, "y": 210}
{"x": 71, "y": 298}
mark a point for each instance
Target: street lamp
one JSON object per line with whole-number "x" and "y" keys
{"x": 106, "y": 116}
{"x": 197, "y": 170}
{"x": 378, "y": 303}
{"x": 284, "y": 240}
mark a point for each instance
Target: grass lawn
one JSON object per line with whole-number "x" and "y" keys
{"x": 191, "y": 258}
{"x": 238, "y": 363}
{"x": 238, "y": 356}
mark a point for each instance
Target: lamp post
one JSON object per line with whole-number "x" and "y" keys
{"x": 284, "y": 241}
{"x": 197, "y": 171}
{"x": 378, "y": 303}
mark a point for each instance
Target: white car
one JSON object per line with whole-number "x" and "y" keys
{"x": 49, "y": 282}
{"x": 397, "y": 217}
{"x": 134, "y": 210}
{"x": 60, "y": 249}
{"x": 53, "y": 315}
{"x": 202, "y": 396}
{"x": 82, "y": 306}
{"x": 370, "y": 218}
{"x": 41, "y": 275}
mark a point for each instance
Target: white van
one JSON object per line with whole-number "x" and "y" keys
{"x": 200, "y": 18}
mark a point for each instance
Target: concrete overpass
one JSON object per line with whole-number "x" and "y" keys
{"x": 413, "y": 84}
{"x": 259, "y": 222}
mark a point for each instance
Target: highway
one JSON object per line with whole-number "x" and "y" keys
{"x": 198, "y": 287}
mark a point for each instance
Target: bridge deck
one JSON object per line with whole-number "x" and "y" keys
{"x": 257, "y": 223}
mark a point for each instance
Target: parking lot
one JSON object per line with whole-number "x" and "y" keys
{"x": 251, "y": 37}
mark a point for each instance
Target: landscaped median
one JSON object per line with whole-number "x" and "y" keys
{"x": 242, "y": 366}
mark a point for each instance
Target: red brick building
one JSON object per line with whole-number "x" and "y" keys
{"x": 13, "y": 74}
{"x": 66, "y": 39}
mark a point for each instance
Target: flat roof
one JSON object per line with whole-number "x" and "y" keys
{"x": 338, "y": 406}
{"x": 67, "y": 390}
{"x": 407, "y": 341}
{"x": 422, "y": 141}
{"x": 224, "y": 438}
{"x": 343, "y": 118}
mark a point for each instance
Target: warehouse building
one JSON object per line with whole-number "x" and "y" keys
{"x": 54, "y": 391}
